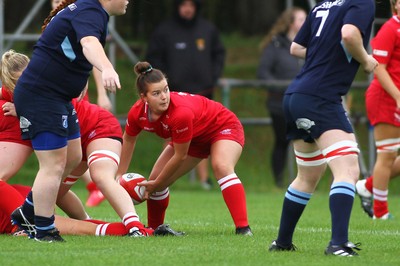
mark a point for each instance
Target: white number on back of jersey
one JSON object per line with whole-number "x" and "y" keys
{"x": 323, "y": 14}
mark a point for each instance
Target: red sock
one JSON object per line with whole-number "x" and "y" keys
{"x": 131, "y": 220}
{"x": 111, "y": 229}
{"x": 157, "y": 205}
{"x": 380, "y": 208}
{"x": 368, "y": 183}
{"x": 380, "y": 202}
{"x": 235, "y": 199}
{"x": 91, "y": 187}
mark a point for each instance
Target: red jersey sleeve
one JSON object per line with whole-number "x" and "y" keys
{"x": 384, "y": 42}
{"x": 132, "y": 127}
{"x": 6, "y": 94}
{"x": 182, "y": 125}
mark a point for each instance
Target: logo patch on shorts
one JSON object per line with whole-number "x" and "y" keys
{"x": 65, "y": 121}
{"x": 304, "y": 123}
{"x": 24, "y": 124}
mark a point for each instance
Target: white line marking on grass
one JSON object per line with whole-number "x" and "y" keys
{"x": 327, "y": 230}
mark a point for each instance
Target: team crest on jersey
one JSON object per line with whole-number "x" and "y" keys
{"x": 304, "y": 123}
{"x": 226, "y": 131}
{"x": 24, "y": 123}
{"x": 165, "y": 127}
{"x": 64, "y": 119}
{"x": 72, "y": 7}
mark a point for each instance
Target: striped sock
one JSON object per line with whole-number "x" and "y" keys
{"x": 293, "y": 206}
{"x": 235, "y": 199}
{"x": 341, "y": 200}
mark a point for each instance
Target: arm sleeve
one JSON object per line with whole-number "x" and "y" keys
{"x": 267, "y": 62}
{"x": 182, "y": 129}
{"x": 131, "y": 127}
{"x": 383, "y": 44}
{"x": 89, "y": 22}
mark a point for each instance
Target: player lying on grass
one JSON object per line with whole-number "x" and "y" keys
{"x": 12, "y": 196}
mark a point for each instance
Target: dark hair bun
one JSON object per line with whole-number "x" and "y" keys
{"x": 142, "y": 68}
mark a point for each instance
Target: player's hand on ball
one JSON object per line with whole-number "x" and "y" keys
{"x": 150, "y": 186}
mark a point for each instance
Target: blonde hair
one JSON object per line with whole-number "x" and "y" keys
{"x": 281, "y": 26}
{"x": 11, "y": 64}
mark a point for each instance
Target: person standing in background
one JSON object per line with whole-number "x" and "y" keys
{"x": 383, "y": 111}
{"x": 277, "y": 63}
{"x": 188, "y": 49}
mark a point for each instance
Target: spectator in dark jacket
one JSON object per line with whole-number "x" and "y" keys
{"x": 277, "y": 63}
{"x": 188, "y": 49}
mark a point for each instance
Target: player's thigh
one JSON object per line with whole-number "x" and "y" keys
{"x": 384, "y": 131}
{"x": 224, "y": 156}
{"x": 13, "y": 156}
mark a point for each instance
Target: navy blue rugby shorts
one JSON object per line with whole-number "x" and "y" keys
{"x": 38, "y": 114}
{"x": 307, "y": 117}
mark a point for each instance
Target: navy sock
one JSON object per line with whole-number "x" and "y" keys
{"x": 43, "y": 224}
{"x": 28, "y": 208}
{"x": 341, "y": 200}
{"x": 293, "y": 207}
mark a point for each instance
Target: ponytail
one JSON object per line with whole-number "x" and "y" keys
{"x": 55, "y": 11}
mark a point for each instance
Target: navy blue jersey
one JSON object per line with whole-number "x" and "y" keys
{"x": 329, "y": 69}
{"x": 58, "y": 68}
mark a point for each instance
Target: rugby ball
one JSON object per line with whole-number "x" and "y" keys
{"x": 129, "y": 182}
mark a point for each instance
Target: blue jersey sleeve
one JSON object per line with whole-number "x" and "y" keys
{"x": 356, "y": 15}
{"x": 86, "y": 23}
{"x": 304, "y": 34}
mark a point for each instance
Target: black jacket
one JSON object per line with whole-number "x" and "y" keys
{"x": 191, "y": 54}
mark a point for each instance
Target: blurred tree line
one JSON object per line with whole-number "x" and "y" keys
{"x": 246, "y": 17}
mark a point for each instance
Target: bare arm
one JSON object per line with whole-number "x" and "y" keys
{"x": 166, "y": 176}
{"x": 298, "y": 50}
{"x": 102, "y": 97}
{"x": 160, "y": 180}
{"x": 128, "y": 147}
{"x": 352, "y": 41}
{"x": 95, "y": 54}
{"x": 387, "y": 83}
